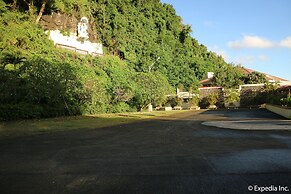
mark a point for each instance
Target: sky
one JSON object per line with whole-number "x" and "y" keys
{"x": 253, "y": 33}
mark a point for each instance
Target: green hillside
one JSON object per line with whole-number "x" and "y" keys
{"x": 39, "y": 80}
{"x": 145, "y": 30}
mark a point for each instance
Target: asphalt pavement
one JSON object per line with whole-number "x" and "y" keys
{"x": 177, "y": 154}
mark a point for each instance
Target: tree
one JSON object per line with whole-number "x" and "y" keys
{"x": 146, "y": 30}
{"x": 227, "y": 76}
{"x": 255, "y": 78}
{"x": 150, "y": 88}
{"x": 269, "y": 86}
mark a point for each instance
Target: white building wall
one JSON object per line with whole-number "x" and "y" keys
{"x": 71, "y": 41}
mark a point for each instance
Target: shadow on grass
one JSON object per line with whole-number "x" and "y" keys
{"x": 12, "y": 129}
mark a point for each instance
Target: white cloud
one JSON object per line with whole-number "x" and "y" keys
{"x": 250, "y": 59}
{"x": 251, "y": 42}
{"x": 245, "y": 59}
{"x": 286, "y": 42}
{"x": 263, "y": 58}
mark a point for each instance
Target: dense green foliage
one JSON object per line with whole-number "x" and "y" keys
{"x": 254, "y": 78}
{"x": 231, "y": 96}
{"x": 228, "y": 76}
{"x": 212, "y": 99}
{"x": 277, "y": 96}
{"x": 146, "y": 30}
{"x": 270, "y": 93}
{"x": 39, "y": 80}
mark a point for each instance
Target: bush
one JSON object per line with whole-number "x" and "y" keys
{"x": 286, "y": 101}
{"x": 194, "y": 101}
{"x": 173, "y": 101}
{"x": 120, "y": 107}
{"x": 232, "y": 96}
{"x": 212, "y": 99}
{"x": 22, "y": 110}
{"x": 178, "y": 101}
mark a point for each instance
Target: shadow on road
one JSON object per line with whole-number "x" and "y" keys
{"x": 164, "y": 155}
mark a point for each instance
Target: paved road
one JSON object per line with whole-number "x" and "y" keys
{"x": 173, "y": 155}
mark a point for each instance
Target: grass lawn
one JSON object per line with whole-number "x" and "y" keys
{"x": 33, "y": 127}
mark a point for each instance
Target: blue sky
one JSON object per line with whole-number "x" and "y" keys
{"x": 253, "y": 33}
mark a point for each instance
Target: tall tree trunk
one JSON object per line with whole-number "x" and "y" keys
{"x": 41, "y": 11}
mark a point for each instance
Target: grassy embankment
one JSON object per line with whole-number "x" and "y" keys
{"x": 20, "y": 128}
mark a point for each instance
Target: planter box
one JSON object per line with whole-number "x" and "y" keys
{"x": 194, "y": 108}
{"x": 165, "y": 108}
{"x": 280, "y": 110}
{"x": 212, "y": 107}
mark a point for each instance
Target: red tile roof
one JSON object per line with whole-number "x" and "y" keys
{"x": 247, "y": 71}
{"x": 205, "y": 80}
{"x": 267, "y": 76}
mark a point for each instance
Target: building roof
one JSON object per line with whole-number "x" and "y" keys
{"x": 267, "y": 76}
{"x": 206, "y": 81}
{"x": 246, "y": 71}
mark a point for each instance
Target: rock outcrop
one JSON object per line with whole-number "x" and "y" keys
{"x": 65, "y": 23}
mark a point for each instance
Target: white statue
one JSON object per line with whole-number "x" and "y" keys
{"x": 83, "y": 27}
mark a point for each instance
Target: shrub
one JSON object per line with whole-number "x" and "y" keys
{"x": 194, "y": 101}
{"x": 178, "y": 101}
{"x": 120, "y": 107}
{"x": 22, "y": 110}
{"x": 286, "y": 101}
{"x": 232, "y": 96}
{"x": 173, "y": 101}
{"x": 212, "y": 99}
